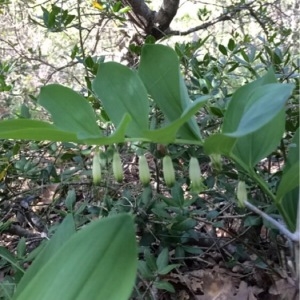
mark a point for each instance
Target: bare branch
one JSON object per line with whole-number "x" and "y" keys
{"x": 157, "y": 23}
{"x": 142, "y": 15}
{"x": 228, "y": 16}
{"x": 224, "y": 17}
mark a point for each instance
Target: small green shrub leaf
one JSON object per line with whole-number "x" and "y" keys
{"x": 168, "y": 269}
{"x": 231, "y": 44}
{"x": 162, "y": 259}
{"x": 150, "y": 260}
{"x": 164, "y": 285}
{"x": 222, "y": 49}
{"x": 144, "y": 270}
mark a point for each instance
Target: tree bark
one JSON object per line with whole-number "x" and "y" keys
{"x": 152, "y": 22}
{"x": 164, "y": 17}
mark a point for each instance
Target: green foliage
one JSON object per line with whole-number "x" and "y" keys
{"x": 159, "y": 70}
{"x": 70, "y": 111}
{"x": 128, "y": 98}
{"x": 56, "y": 19}
{"x": 5, "y": 68}
{"x": 288, "y": 190}
{"x": 93, "y": 268}
{"x": 247, "y": 125}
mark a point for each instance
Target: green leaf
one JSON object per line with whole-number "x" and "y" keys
{"x": 231, "y": 44}
{"x": 219, "y": 144}
{"x": 34, "y": 130}
{"x": 167, "y": 269}
{"x": 162, "y": 259}
{"x": 168, "y": 134}
{"x": 144, "y": 270}
{"x": 192, "y": 250}
{"x": 65, "y": 230}
{"x": 41, "y": 131}
{"x": 222, "y": 49}
{"x": 6, "y": 255}
{"x": 255, "y": 146}
{"x": 293, "y": 154}
{"x": 70, "y": 111}
{"x": 184, "y": 225}
{"x": 164, "y": 285}
{"x": 150, "y": 260}
{"x": 70, "y": 199}
{"x": 288, "y": 208}
{"x": 159, "y": 70}
{"x": 21, "y": 248}
{"x": 117, "y": 137}
{"x": 122, "y": 91}
{"x": 89, "y": 264}
{"x": 252, "y": 221}
{"x": 262, "y": 105}
{"x": 240, "y": 101}
{"x": 287, "y": 197}
{"x": 255, "y": 116}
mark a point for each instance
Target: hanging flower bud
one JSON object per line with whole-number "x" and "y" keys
{"x": 195, "y": 176}
{"x": 117, "y": 167}
{"x": 96, "y": 168}
{"x": 168, "y": 170}
{"x": 103, "y": 159}
{"x": 216, "y": 162}
{"x": 144, "y": 172}
{"x": 241, "y": 193}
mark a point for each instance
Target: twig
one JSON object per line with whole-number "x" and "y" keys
{"x": 19, "y": 231}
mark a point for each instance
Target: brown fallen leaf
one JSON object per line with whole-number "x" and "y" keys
{"x": 286, "y": 288}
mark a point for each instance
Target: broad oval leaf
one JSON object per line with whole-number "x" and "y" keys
{"x": 122, "y": 91}
{"x": 257, "y": 145}
{"x": 159, "y": 70}
{"x": 263, "y": 104}
{"x": 90, "y": 265}
{"x": 70, "y": 111}
{"x": 240, "y": 101}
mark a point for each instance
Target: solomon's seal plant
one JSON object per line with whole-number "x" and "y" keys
{"x": 216, "y": 162}
{"x": 168, "y": 170}
{"x": 195, "y": 176}
{"x": 117, "y": 167}
{"x": 96, "y": 168}
{"x": 241, "y": 193}
{"x": 144, "y": 172}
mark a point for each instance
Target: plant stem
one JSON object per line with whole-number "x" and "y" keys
{"x": 295, "y": 237}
